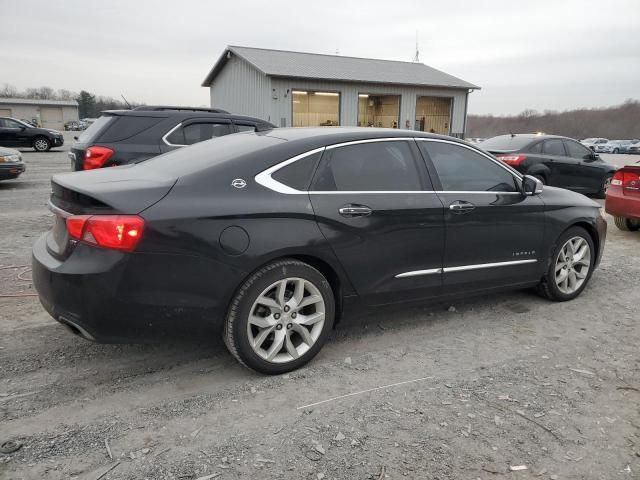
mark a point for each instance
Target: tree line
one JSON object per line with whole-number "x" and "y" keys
{"x": 89, "y": 104}
{"x": 616, "y": 122}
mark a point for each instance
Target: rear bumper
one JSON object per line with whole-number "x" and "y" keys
{"x": 11, "y": 170}
{"x": 114, "y": 297}
{"x": 620, "y": 205}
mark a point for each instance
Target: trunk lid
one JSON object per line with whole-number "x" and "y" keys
{"x": 119, "y": 190}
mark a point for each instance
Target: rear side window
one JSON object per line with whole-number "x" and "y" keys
{"x": 95, "y": 128}
{"x": 376, "y": 166}
{"x": 198, "y": 132}
{"x": 246, "y": 128}
{"x": 536, "y": 148}
{"x": 298, "y": 174}
{"x": 463, "y": 170}
{"x": 554, "y": 147}
{"x": 124, "y": 127}
{"x": 575, "y": 150}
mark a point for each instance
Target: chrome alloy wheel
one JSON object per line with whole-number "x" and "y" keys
{"x": 286, "y": 320}
{"x": 41, "y": 145}
{"x": 572, "y": 265}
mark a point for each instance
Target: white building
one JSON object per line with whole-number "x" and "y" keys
{"x": 305, "y": 89}
{"x": 46, "y": 113}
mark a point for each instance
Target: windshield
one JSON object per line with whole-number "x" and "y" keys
{"x": 91, "y": 132}
{"x": 506, "y": 143}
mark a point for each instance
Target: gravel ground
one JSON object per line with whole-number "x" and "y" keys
{"x": 504, "y": 381}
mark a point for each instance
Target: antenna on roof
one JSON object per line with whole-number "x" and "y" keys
{"x": 125, "y": 101}
{"x": 417, "y": 56}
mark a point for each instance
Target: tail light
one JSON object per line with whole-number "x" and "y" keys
{"x": 513, "y": 160}
{"x": 626, "y": 179}
{"x": 117, "y": 232}
{"x": 96, "y": 157}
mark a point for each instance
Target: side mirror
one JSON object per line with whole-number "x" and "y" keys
{"x": 531, "y": 185}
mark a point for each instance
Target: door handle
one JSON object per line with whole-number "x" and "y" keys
{"x": 355, "y": 211}
{"x": 460, "y": 207}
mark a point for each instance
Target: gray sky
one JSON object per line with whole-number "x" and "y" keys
{"x": 540, "y": 54}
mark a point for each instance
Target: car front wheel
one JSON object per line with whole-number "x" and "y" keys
{"x": 280, "y": 317}
{"x": 41, "y": 144}
{"x": 570, "y": 267}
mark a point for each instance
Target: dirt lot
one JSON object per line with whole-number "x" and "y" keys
{"x": 500, "y": 382}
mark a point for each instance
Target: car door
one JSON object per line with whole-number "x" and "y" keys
{"x": 10, "y": 133}
{"x": 590, "y": 174}
{"x": 494, "y": 233}
{"x": 193, "y": 131}
{"x": 565, "y": 171}
{"x": 375, "y": 205}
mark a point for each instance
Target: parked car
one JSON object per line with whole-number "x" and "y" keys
{"x": 75, "y": 126}
{"x": 120, "y": 137}
{"x": 16, "y": 133}
{"x": 271, "y": 236}
{"x": 556, "y": 161}
{"x": 592, "y": 142}
{"x": 634, "y": 148}
{"x": 11, "y": 164}
{"x": 621, "y": 146}
{"x": 623, "y": 198}
{"x": 609, "y": 147}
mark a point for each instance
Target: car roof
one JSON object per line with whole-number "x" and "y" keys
{"x": 331, "y": 135}
{"x": 182, "y": 113}
{"x": 533, "y": 136}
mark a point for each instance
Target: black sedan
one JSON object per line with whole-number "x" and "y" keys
{"x": 271, "y": 236}
{"x": 11, "y": 164}
{"x": 556, "y": 161}
{"x": 16, "y": 133}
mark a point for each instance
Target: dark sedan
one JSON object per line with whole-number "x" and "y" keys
{"x": 271, "y": 236}
{"x": 556, "y": 161}
{"x": 16, "y": 133}
{"x": 11, "y": 164}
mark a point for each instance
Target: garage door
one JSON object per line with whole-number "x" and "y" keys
{"x": 51, "y": 118}
{"x": 5, "y": 112}
{"x": 433, "y": 114}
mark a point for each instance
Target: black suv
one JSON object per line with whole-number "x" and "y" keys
{"x": 16, "y": 133}
{"x": 120, "y": 137}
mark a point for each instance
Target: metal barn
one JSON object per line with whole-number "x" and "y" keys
{"x": 306, "y": 89}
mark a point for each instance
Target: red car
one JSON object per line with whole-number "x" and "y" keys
{"x": 623, "y": 198}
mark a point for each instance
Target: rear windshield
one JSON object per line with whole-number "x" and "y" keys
{"x": 202, "y": 155}
{"x": 90, "y": 133}
{"x": 506, "y": 143}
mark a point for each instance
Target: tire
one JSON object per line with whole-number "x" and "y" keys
{"x": 606, "y": 181}
{"x": 616, "y": 151}
{"x": 626, "y": 224}
{"x": 554, "y": 290}
{"x": 41, "y": 144}
{"x": 257, "y": 298}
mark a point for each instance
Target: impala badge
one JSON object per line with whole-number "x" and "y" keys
{"x": 239, "y": 183}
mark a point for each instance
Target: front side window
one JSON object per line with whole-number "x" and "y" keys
{"x": 575, "y": 150}
{"x": 375, "y": 166}
{"x": 554, "y": 147}
{"x": 463, "y": 170}
{"x": 315, "y": 109}
{"x": 198, "y": 132}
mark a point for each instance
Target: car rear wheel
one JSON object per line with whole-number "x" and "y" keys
{"x": 280, "y": 317}
{"x": 606, "y": 182}
{"x": 41, "y": 144}
{"x": 616, "y": 151}
{"x": 570, "y": 267}
{"x": 626, "y": 224}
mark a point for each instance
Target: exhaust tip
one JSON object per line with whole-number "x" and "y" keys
{"x": 76, "y": 329}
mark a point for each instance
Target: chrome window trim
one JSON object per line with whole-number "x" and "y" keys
{"x": 264, "y": 178}
{"x": 464, "y": 268}
{"x": 164, "y": 139}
